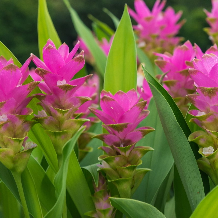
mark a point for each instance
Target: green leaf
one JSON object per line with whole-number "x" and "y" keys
{"x": 9, "y": 204}
{"x": 88, "y": 38}
{"x": 63, "y": 175}
{"x": 44, "y": 187}
{"x": 92, "y": 169}
{"x": 143, "y": 58}
{"x": 100, "y": 27}
{"x": 92, "y": 157}
{"x": 46, "y": 29}
{"x": 112, "y": 16}
{"x": 182, "y": 207}
{"x": 31, "y": 194}
{"x": 184, "y": 158}
{"x": 38, "y": 135}
{"x": 208, "y": 206}
{"x": 160, "y": 161}
{"x": 7, "y": 54}
{"x": 135, "y": 209}
{"x": 121, "y": 67}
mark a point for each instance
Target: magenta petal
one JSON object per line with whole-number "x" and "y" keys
{"x": 214, "y": 73}
{"x": 73, "y": 52}
{"x": 133, "y": 97}
{"x": 141, "y": 9}
{"x": 201, "y": 79}
{"x": 80, "y": 81}
{"x": 64, "y": 51}
{"x": 43, "y": 86}
{"x": 109, "y": 139}
{"x": 53, "y": 60}
{"x": 123, "y": 100}
{"x": 200, "y": 104}
{"x": 25, "y": 70}
{"x": 133, "y": 137}
{"x": 39, "y": 63}
{"x": 111, "y": 107}
{"x": 132, "y": 115}
{"x": 102, "y": 116}
{"x": 72, "y": 67}
{"x": 49, "y": 42}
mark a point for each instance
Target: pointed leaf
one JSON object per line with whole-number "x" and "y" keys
{"x": 136, "y": 209}
{"x": 121, "y": 72}
{"x": 180, "y": 147}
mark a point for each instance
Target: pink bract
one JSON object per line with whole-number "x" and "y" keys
{"x": 156, "y": 29}
{"x": 121, "y": 113}
{"x": 205, "y": 75}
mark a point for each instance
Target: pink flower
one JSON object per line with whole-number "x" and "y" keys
{"x": 204, "y": 74}
{"x": 177, "y": 79}
{"x": 121, "y": 115}
{"x": 56, "y": 74}
{"x": 212, "y": 19}
{"x": 13, "y": 95}
{"x": 156, "y": 29}
{"x": 14, "y": 150}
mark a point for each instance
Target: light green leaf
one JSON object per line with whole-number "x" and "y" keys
{"x": 160, "y": 161}
{"x": 121, "y": 67}
{"x": 208, "y": 206}
{"x": 7, "y": 54}
{"x": 38, "y": 135}
{"x": 46, "y": 29}
{"x": 88, "y": 38}
{"x": 112, "y": 16}
{"x": 135, "y": 209}
{"x": 180, "y": 147}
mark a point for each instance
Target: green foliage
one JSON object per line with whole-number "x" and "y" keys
{"x": 120, "y": 73}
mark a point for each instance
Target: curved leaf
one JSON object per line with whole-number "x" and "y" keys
{"x": 208, "y": 206}
{"x": 46, "y": 29}
{"x": 136, "y": 209}
{"x": 88, "y": 38}
{"x": 112, "y": 16}
{"x": 180, "y": 147}
{"x": 121, "y": 67}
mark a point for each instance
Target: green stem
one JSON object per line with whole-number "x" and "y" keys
{"x": 17, "y": 178}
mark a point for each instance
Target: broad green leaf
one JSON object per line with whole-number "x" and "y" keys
{"x": 208, "y": 206}
{"x": 38, "y": 135}
{"x": 121, "y": 67}
{"x": 31, "y": 194}
{"x": 9, "y": 204}
{"x": 136, "y": 209}
{"x": 160, "y": 161}
{"x": 7, "y": 54}
{"x": 81, "y": 194}
{"x": 88, "y": 38}
{"x": 180, "y": 147}
{"x": 46, "y": 29}
{"x": 112, "y": 16}
{"x": 44, "y": 187}
{"x": 169, "y": 210}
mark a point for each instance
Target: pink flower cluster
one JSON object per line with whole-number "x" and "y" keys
{"x": 156, "y": 29}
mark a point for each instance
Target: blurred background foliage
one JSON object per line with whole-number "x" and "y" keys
{"x": 18, "y": 21}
